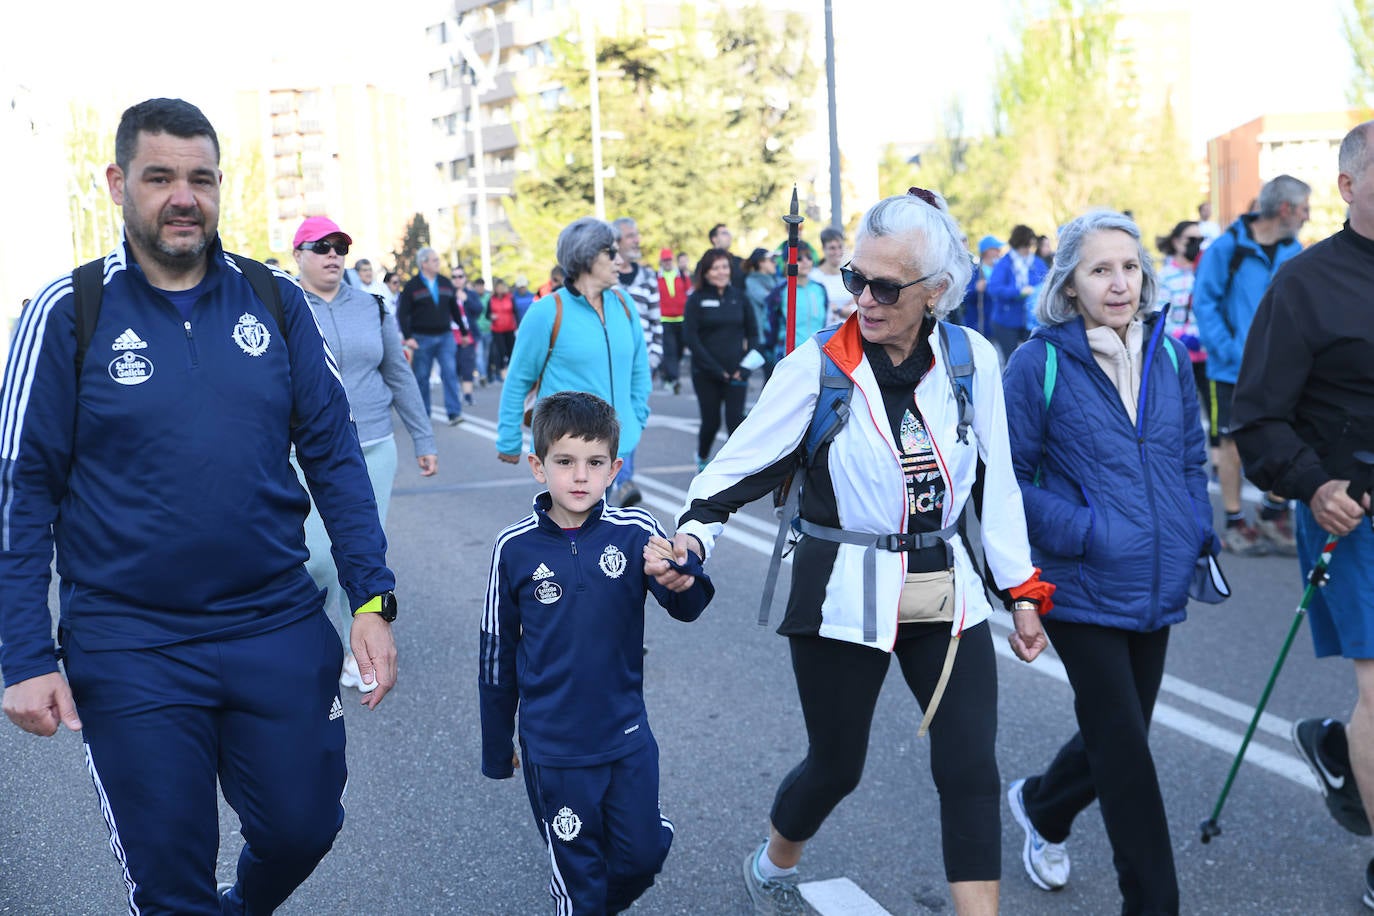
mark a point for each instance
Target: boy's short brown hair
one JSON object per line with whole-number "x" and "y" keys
{"x": 579, "y": 414}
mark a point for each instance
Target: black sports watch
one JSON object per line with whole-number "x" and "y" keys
{"x": 388, "y": 611}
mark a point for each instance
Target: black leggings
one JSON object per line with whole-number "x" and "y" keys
{"x": 839, "y": 683}
{"x": 1115, "y": 676}
{"x": 713, "y": 391}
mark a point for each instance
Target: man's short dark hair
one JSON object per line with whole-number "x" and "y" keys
{"x": 160, "y": 116}
{"x": 711, "y": 236}
{"x": 579, "y": 414}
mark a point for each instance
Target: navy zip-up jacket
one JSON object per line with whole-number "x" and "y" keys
{"x": 563, "y": 634}
{"x": 1120, "y": 512}
{"x": 162, "y": 474}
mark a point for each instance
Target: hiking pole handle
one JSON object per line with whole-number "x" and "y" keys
{"x": 1362, "y": 481}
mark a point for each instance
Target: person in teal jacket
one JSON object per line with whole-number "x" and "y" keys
{"x": 599, "y": 346}
{"x": 813, "y": 307}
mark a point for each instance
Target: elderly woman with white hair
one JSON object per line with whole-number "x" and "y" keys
{"x": 880, "y": 569}
{"x": 1110, "y": 459}
{"x": 585, "y": 336}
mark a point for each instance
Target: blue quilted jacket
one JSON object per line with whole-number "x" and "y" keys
{"x": 1117, "y": 513}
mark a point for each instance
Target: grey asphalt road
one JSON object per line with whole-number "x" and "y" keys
{"x": 425, "y": 833}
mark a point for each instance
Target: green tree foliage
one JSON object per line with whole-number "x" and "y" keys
{"x": 690, "y": 137}
{"x": 243, "y": 208}
{"x": 1358, "y": 26}
{"x": 1068, "y": 135}
{"x": 96, "y": 221}
{"x": 416, "y": 237}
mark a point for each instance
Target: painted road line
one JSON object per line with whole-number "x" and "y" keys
{"x": 840, "y": 897}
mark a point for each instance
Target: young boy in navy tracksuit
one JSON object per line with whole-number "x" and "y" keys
{"x": 562, "y": 638}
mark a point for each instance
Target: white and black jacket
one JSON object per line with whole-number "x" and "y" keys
{"x": 856, "y": 483}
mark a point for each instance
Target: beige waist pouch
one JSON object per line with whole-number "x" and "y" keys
{"x": 927, "y": 597}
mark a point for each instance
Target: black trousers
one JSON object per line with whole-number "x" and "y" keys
{"x": 839, "y": 683}
{"x": 672, "y": 350}
{"x": 713, "y": 391}
{"x": 1115, "y": 676}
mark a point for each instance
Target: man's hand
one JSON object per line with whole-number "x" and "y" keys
{"x": 40, "y": 703}
{"x": 1029, "y": 638}
{"x": 1334, "y": 510}
{"x": 375, "y": 650}
{"x": 429, "y": 465}
{"x": 508, "y": 459}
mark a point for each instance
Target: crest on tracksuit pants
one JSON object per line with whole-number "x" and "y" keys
{"x": 566, "y": 825}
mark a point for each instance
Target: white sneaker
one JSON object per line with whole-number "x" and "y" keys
{"x": 1047, "y": 863}
{"x": 350, "y": 676}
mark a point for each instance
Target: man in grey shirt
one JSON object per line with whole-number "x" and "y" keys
{"x": 366, "y": 342}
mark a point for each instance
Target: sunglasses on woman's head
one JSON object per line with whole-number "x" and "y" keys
{"x": 324, "y": 246}
{"x": 884, "y": 292}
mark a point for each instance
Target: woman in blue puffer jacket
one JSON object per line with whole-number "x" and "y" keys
{"x": 1109, "y": 454}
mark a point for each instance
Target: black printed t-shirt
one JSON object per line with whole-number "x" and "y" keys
{"x": 925, "y": 484}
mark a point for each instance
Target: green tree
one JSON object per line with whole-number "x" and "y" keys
{"x": 243, "y": 208}
{"x": 689, "y": 138}
{"x": 1357, "y": 24}
{"x": 416, "y": 237}
{"x": 95, "y": 220}
{"x": 1067, "y": 135}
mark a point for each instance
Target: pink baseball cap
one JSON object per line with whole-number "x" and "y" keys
{"x": 316, "y": 228}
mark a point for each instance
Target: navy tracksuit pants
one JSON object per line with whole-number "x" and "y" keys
{"x": 262, "y": 715}
{"x": 605, "y": 834}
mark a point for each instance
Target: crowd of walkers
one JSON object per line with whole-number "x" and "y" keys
{"x": 1074, "y": 401}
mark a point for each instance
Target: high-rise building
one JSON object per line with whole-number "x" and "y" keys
{"x": 336, "y": 151}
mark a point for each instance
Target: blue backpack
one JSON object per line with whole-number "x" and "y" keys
{"x": 831, "y": 413}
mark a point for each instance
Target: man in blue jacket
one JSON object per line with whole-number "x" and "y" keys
{"x": 1231, "y": 279}
{"x": 152, "y": 454}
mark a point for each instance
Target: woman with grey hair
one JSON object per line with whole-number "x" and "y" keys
{"x": 1110, "y": 458}
{"x": 898, "y": 580}
{"x": 563, "y": 336}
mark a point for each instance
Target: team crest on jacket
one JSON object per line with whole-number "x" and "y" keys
{"x": 612, "y": 561}
{"x": 566, "y": 825}
{"x": 548, "y": 592}
{"x": 252, "y": 335}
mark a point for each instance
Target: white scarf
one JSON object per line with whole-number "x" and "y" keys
{"x": 1120, "y": 359}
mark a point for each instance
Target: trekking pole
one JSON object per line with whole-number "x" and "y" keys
{"x": 793, "y": 220}
{"x": 1315, "y": 580}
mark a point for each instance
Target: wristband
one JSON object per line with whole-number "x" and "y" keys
{"x": 372, "y": 606}
{"x": 1025, "y": 604}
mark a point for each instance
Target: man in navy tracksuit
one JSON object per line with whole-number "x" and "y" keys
{"x": 562, "y": 639}
{"x": 193, "y": 639}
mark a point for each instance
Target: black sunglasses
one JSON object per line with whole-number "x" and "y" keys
{"x": 323, "y": 246}
{"x": 884, "y": 292}
{"x": 612, "y": 252}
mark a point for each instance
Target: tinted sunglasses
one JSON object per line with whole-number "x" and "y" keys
{"x": 612, "y": 252}
{"x": 884, "y": 292}
{"x": 323, "y": 246}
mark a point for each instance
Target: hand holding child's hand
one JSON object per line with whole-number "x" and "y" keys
{"x": 657, "y": 554}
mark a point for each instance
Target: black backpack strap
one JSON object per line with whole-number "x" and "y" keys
{"x": 381, "y": 309}
{"x": 259, "y": 276}
{"x": 88, "y": 286}
{"x": 1238, "y": 255}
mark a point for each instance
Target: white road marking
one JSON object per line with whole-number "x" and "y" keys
{"x": 840, "y": 897}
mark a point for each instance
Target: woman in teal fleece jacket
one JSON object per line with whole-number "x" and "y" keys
{"x": 599, "y": 346}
